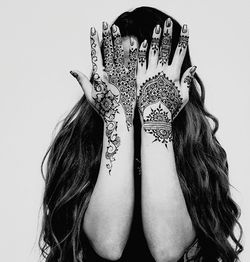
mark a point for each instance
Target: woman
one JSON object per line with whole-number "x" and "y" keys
{"x": 135, "y": 171}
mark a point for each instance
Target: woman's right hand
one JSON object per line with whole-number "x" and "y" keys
{"x": 113, "y": 92}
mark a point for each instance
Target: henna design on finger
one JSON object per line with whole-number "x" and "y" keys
{"x": 160, "y": 88}
{"x": 155, "y": 45}
{"x": 165, "y": 48}
{"x": 188, "y": 79}
{"x": 142, "y": 57}
{"x": 108, "y": 51}
{"x": 159, "y": 125}
{"x": 183, "y": 42}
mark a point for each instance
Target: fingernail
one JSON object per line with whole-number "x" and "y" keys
{"x": 92, "y": 31}
{"x": 192, "y": 70}
{"x": 168, "y": 22}
{"x": 114, "y": 28}
{"x": 105, "y": 25}
{"x": 145, "y": 43}
{"x": 184, "y": 29}
{"x": 74, "y": 74}
{"x": 157, "y": 29}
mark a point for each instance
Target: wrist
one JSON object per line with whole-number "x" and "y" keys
{"x": 118, "y": 126}
{"x": 159, "y": 132}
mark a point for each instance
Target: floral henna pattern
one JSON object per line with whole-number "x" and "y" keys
{"x": 159, "y": 125}
{"x": 124, "y": 79}
{"x": 106, "y": 104}
{"x": 160, "y": 89}
{"x": 165, "y": 48}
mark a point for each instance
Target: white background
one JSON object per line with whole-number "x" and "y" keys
{"x": 41, "y": 41}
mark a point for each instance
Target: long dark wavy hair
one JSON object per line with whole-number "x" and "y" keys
{"x": 73, "y": 161}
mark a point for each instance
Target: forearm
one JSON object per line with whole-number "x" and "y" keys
{"x": 166, "y": 221}
{"x": 108, "y": 217}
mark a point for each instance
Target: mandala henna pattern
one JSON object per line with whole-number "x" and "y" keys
{"x": 159, "y": 124}
{"x": 124, "y": 79}
{"x": 165, "y": 48}
{"x": 160, "y": 89}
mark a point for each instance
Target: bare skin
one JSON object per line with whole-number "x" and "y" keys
{"x": 167, "y": 225}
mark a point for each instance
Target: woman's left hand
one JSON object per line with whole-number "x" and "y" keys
{"x": 161, "y": 94}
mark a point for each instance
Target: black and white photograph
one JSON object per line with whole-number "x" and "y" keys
{"x": 126, "y": 131}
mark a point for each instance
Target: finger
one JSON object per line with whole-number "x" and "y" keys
{"x": 84, "y": 83}
{"x": 154, "y": 47}
{"x": 118, "y": 48}
{"x": 107, "y": 48}
{"x": 96, "y": 56}
{"x": 142, "y": 63}
{"x": 181, "y": 49}
{"x": 165, "y": 48}
{"x": 187, "y": 78}
{"x": 132, "y": 58}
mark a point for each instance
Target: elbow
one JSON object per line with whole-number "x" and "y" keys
{"x": 108, "y": 250}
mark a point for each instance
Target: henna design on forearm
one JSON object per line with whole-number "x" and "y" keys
{"x": 159, "y": 125}
{"x": 165, "y": 48}
{"x": 106, "y": 104}
{"x": 124, "y": 79}
{"x": 160, "y": 88}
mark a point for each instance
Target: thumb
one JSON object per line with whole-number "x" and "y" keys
{"x": 187, "y": 77}
{"x": 83, "y": 82}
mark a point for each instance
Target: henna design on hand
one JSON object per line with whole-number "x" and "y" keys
{"x": 160, "y": 88}
{"x": 106, "y": 104}
{"x": 124, "y": 79}
{"x": 159, "y": 124}
{"x": 165, "y": 48}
